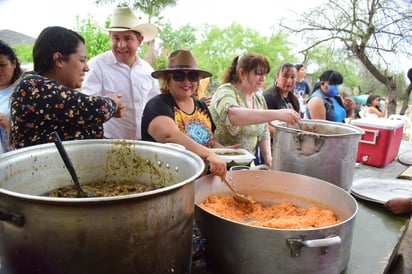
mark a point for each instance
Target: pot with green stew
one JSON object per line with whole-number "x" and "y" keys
{"x": 145, "y": 227}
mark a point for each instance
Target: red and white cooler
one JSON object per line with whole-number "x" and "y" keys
{"x": 381, "y": 141}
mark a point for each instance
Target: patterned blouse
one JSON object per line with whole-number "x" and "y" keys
{"x": 41, "y": 105}
{"x": 225, "y": 97}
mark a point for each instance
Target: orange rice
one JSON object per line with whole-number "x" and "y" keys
{"x": 282, "y": 216}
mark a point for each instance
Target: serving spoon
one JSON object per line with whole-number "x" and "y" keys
{"x": 81, "y": 193}
{"x": 299, "y": 123}
{"x": 237, "y": 196}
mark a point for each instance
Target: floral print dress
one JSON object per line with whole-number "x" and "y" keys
{"x": 40, "y": 105}
{"x": 225, "y": 97}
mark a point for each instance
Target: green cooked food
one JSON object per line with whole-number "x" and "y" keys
{"x": 104, "y": 189}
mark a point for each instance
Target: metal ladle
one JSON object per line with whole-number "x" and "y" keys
{"x": 237, "y": 196}
{"x": 57, "y": 141}
{"x": 299, "y": 123}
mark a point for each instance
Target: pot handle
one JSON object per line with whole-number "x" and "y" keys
{"x": 13, "y": 218}
{"x": 296, "y": 244}
{"x": 375, "y": 134}
{"x": 303, "y": 139}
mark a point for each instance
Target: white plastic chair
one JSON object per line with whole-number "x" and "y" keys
{"x": 407, "y": 125}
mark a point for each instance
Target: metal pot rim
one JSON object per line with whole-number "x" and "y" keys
{"x": 350, "y": 197}
{"x": 354, "y": 130}
{"x": 84, "y": 143}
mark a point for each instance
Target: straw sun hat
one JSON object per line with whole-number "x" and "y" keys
{"x": 123, "y": 19}
{"x": 181, "y": 60}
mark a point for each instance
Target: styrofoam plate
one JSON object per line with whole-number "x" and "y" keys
{"x": 381, "y": 190}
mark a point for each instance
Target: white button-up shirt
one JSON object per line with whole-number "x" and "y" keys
{"x": 135, "y": 84}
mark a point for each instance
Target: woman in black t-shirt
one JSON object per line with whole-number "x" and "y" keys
{"x": 176, "y": 116}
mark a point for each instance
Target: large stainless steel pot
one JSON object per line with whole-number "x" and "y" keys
{"x": 149, "y": 232}
{"x": 233, "y": 247}
{"x": 325, "y": 150}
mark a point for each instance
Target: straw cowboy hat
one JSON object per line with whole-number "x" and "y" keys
{"x": 181, "y": 60}
{"x": 123, "y": 19}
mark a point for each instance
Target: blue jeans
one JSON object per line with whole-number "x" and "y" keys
{"x": 259, "y": 159}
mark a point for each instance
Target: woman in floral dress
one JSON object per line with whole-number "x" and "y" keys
{"x": 47, "y": 101}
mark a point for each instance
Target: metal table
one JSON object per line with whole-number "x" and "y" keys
{"x": 377, "y": 232}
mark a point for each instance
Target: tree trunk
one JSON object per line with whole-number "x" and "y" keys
{"x": 392, "y": 94}
{"x": 388, "y": 81}
{"x": 406, "y": 100}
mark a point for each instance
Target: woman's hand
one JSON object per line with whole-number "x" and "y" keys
{"x": 217, "y": 165}
{"x": 289, "y": 116}
{"x": 349, "y": 105}
{"x": 4, "y": 121}
{"x": 121, "y": 109}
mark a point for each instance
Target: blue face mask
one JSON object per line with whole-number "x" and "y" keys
{"x": 333, "y": 90}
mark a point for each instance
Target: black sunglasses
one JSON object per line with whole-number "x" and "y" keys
{"x": 180, "y": 75}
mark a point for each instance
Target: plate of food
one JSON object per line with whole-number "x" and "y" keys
{"x": 381, "y": 190}
{"x": 235, "y": 156}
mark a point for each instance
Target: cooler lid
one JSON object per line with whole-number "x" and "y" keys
{"x": 382, "y": 123}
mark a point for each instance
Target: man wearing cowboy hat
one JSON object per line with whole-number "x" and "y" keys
{"x": 121, "y": 71}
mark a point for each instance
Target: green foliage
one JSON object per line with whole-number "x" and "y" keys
{"x": 24, "y": 53}
{"x": 152, "y": 8}
{"x": 96, "y": 41}
{"x": 182, "y": 38}
{"x": 144, "y": 50}
{"x": 215, "y": 48}
{"x": 324, "y": 58}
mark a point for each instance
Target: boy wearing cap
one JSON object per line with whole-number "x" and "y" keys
{"x": 121, "y": 71}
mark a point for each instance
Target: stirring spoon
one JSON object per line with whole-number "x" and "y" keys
{"x": 238, "y": 197}
{"x": 57, "y": 141}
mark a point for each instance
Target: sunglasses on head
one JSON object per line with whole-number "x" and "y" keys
{"x": 180, "y": 75}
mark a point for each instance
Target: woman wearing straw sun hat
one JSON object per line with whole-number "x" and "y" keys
{"x": 175, "y": 116}
{"x": 121, "y": 71}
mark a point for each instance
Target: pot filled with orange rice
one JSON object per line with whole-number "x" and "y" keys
{"x": 293, "y": 223}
